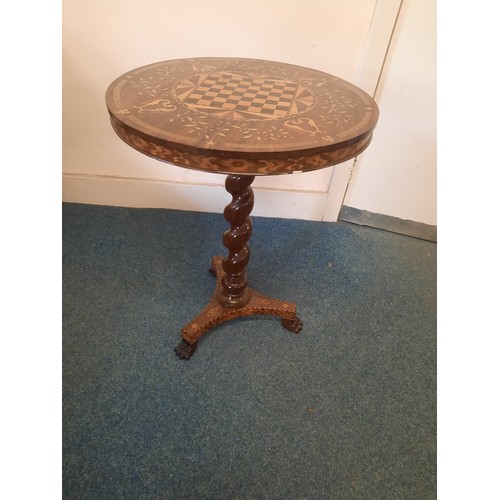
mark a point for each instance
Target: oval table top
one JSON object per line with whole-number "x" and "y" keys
{"x": 241, "y": 116}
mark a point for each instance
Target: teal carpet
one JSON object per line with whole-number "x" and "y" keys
{"x": 346, "y": 409}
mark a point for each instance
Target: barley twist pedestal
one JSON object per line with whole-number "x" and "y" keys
{"x": 242, "y": 118}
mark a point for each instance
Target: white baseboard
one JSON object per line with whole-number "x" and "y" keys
{"x": 139, "y": 193}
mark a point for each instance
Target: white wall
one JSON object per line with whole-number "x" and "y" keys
{"x": 396, "y": 175}
{"x": 105, "y": 38}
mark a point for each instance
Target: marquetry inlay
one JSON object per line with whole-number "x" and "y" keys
{"x": 241, "y": 115}
{"x": 243, "y": 97}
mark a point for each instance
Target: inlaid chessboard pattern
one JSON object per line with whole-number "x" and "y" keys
{"x": 244, "y": 94}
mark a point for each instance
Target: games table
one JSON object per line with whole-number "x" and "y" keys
{"x": 242, "y": 118}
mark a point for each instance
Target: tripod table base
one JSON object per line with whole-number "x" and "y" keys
{"x": 216, "y": 313}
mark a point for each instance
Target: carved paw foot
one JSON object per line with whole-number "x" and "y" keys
{"x": 292, "y": 325}
{"x": 185, "y": 350}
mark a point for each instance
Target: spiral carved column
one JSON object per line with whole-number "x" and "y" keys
{"x": 232, "y": 297}
{"x": 234, "y": 291}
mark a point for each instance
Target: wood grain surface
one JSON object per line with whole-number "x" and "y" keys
{"x": 241, "y": 116}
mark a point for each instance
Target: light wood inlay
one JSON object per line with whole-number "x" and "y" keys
{"x": 241, "y": 116}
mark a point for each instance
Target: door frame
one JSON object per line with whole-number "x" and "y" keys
{"x": 382, "y": 28}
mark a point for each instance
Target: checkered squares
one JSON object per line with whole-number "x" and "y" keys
{"x": 244, "y": 94}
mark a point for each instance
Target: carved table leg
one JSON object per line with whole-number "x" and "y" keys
{"x": 233, "y": 298}
{"x": 234, "y": 291}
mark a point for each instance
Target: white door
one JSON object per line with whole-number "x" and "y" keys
{"x": 377, "y": 47}
{"x": 396, "y": 175}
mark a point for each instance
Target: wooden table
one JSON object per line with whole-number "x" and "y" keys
{"x": 240, "y": 117}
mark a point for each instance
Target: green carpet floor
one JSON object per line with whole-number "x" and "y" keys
{"x": 346, "y": 409}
